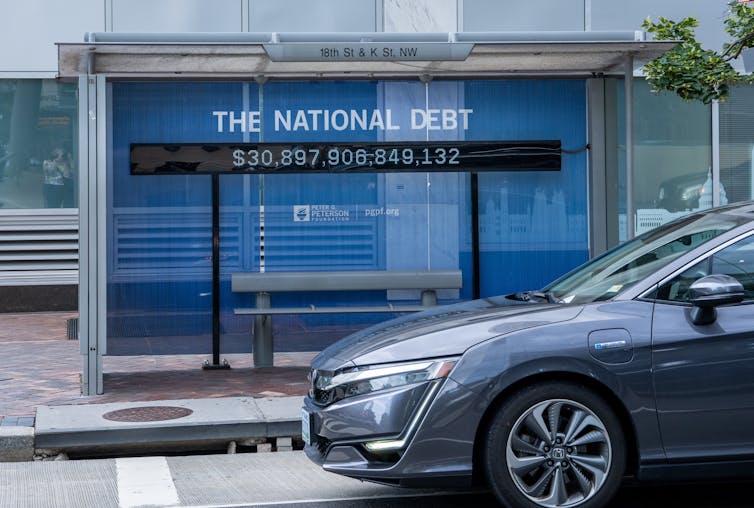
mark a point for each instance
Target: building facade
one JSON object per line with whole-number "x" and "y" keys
{"x": 145, "y": 262}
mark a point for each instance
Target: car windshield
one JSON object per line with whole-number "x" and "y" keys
{"x": 622, "y": 267}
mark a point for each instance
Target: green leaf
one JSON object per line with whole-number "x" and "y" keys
{"x": 689, "y": 70}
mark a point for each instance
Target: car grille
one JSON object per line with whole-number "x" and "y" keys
{"x": 321, "y": 444}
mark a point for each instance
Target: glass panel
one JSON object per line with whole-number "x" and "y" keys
{"x": 672, "y": 156}
{"x": 737, "y": 144}
{"x": 241, "y": 250}
{"x": 38, "y": 144}
{"x": 312, "y": 16}
{"x": 736, "y": 261}
{"x": 449, "y": 204}
{"x": 160, "y": 229}
{"x": 677, "y": 289}
{"x": 494, "y": 15}
{"x": 625, "y": 265}
{"x": 163, "y": 16}
{"x": 532, "y": 225}
{"x": 342, "y": 222}
{"x": 159, "y": 292}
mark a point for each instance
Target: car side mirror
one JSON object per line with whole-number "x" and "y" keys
{"x": 710, "y": 292}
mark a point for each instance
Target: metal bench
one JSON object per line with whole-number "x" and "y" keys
{"x": 262, "y": 284}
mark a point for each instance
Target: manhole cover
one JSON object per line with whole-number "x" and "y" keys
{"x": 147, "y": 414}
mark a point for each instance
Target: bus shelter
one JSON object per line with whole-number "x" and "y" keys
{"x": 209, "y": 155}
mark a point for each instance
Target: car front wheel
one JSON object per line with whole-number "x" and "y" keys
{"x": 554, "y": 445}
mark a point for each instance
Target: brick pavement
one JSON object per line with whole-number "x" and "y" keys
{"x": 40, "y": 366}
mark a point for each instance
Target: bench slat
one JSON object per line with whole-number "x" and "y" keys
{"x": 361, "y": 280}
{"x": 328, "y": 310}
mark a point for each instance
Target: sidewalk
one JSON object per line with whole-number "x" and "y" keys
{"x": 41, "y": 369}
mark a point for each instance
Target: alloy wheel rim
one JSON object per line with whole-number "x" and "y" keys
{"x": 558, "y": 453}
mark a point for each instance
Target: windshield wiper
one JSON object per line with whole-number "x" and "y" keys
{"x": 527, "y": 296}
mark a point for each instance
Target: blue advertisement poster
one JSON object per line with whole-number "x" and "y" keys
{"x": 532, "y": 224}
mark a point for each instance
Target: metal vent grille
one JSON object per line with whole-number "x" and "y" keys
{"x": 350, "y": 245}
{"x": 39, "y": 247}
{"x": 170, "y": 244}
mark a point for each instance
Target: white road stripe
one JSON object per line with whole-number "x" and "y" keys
{"x": 145, "y": 481}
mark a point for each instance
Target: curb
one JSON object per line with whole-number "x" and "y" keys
{"x": 167, "y": 426}
{"x": 90, "y": 430}
{"x": 16, "y": 444}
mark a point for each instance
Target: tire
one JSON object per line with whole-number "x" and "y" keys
{"x": 554, "y": 444}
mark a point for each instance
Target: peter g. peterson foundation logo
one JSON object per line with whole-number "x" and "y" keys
{"x": 301, "y": 213}
{"x": 320, "y": 213}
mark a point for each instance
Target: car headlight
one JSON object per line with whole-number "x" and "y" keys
{"x": 692, "y": 192}
{"x": 356, "y": 381}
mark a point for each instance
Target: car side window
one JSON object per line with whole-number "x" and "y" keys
{"x": 736, "y": 260}
{"x": 677, "y": 289}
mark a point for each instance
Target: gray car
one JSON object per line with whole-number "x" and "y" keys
{"x": 640, "y": 362}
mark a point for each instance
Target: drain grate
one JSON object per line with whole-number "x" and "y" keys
{"x": 72, "y": 328}
{"x": 147, "y": 414}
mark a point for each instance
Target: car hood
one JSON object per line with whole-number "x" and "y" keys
{"x": 441, "y": 331}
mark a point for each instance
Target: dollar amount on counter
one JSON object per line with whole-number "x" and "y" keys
{"x": 266, "y": 158}
{"x": 345, "y": 158}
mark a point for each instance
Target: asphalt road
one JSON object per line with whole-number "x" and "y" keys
{"x": 281, "y": 479}
{"x": 712, "y": 495}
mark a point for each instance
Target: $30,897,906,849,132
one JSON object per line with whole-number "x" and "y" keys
{"x": 344, "y": 157}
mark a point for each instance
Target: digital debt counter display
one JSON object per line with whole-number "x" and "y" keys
{"x": 322, "y": 157}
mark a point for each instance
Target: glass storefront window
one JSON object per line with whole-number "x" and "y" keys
{"x": 672, "y": 157}
{"x": 38, "y": 144}
{"x": 737, "y": 144}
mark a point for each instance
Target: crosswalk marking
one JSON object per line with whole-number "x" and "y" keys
{"x": 145, "y": 481}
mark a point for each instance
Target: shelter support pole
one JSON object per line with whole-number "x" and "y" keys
{"x": 216, "y": 278}
{"x": 92, "y": 230}
{"x": 630, "y": 212}
{"x": 716, "y": 185}
{"x": 597, "y": 166}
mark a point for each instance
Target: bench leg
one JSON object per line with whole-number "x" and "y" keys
{"x": 429, "y": 298}
{"x": 262, "y": 347}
